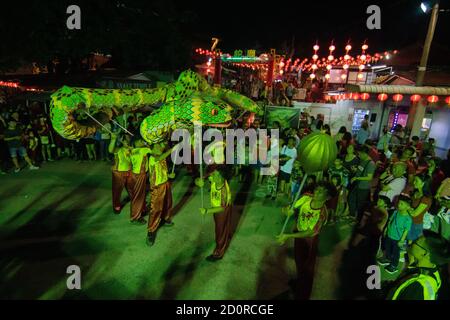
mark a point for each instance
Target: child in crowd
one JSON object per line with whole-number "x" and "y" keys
{"x": 296, "y": 179}
{"x": 33, "y": 143}
{"x": 288, "y": 155}
{"x": 339, "y": 169}
{"x": 337, "y": 205}
{"x": 395, "y": 234}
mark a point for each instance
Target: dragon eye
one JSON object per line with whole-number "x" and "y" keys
{"x": 214, "y": 112}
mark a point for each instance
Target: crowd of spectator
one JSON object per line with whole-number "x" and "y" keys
{"x": 29, "y": 140}
{"x": 392, "y": 191}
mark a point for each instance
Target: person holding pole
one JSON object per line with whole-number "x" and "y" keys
{"x": 160, "y": 190}
{"x": 139, "y": 168}
{"x": 311, "y": 217}
{"x": 121, "y": 170}
{"x": 221, "y": 208}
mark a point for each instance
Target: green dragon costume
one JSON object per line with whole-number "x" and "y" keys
{"x": 187, "y": 101}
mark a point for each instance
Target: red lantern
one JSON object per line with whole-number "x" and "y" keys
{"x": 365, "y": 96}
{"x": 433, "y": 99}
{"x": 382, "y": 97}
{"x": 397, "y": 97}
{"x": 447, "y": 100}
{"x": 415, "y": 98}
{"x": 355, "y": 96}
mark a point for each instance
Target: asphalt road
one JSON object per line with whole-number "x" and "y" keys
{"x": 61, "y": 215}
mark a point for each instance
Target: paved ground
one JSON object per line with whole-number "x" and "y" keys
{"x": 61, "y": 215}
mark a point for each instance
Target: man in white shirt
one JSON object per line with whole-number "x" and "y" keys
{"x": 288, "y": 155}
{"x": 393, "y": 185}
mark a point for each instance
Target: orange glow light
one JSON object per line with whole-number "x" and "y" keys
{"x": 365, "y": 96}
{"x": 433, "y": 99}
{"x": 447, "y": 100}
{"x": 382, "y": 97}
{"x": 397, "y": 97}
{"x": 415, "y": 98}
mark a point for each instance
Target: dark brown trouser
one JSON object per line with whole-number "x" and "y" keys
{"x": 222, "y": 222}
{"x": 161, "y": 205}
{"x": 139, "y": 182}
{"x": 120, "y": 180}
{"x": 305, "y": 261}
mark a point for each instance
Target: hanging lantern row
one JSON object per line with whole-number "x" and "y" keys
{"x": 346, "y": 61}
{"x": 252, "y": 66}
{"x": 9, "y": 84}
{"x": 16, "y": 85}
{"x": 206, "y": 52}
{"x": 316, "y": 63}
{"x": 384, "y": 96}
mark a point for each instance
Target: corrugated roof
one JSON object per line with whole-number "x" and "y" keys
{"x": 393, "y": 89}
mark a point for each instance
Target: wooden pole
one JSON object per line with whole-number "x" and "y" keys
{"x": 293, "y": 203}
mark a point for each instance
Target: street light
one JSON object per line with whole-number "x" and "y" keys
{"x": 427, "y": 45}
{"x": 417, "y": 111}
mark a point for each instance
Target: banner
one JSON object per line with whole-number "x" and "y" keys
{"x": 286, "y": 116}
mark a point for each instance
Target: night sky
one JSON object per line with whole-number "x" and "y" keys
{"x": 241, "y": 24}
{"x": 162, "y": 34}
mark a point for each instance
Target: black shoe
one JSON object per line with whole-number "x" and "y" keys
{"x": 151, "y": 236}
{"x": 168, "y": 223}
{"x": 139, "y": 221}
{"x": 213, "y": 258}
{"x": 116, "y": 212}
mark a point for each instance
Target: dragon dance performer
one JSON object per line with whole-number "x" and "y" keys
{"x": 139, "y": 164}
{"x": 312, "y": 215}
{"x": 121, "y": 170}
{"x": 160, "y": 190}
{"x": 221, "y": 208}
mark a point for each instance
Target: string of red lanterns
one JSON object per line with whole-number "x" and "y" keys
{"x": 447, "y": 100}
{"x": 316, "y": 63}
{"x": 9, "y": 84}
{"x": 16, "y": 85}
{"x": 384, "y": 96}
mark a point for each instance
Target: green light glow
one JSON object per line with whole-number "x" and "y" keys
{"x": 241, "y": 59}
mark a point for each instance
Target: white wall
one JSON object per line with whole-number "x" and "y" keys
{"x": 341, "y": 113}
{"x": 440, "y": 130}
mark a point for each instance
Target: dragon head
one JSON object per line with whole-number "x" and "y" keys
{"x": 210, "y": 111}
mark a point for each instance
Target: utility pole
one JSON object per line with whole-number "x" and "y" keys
{"x": 427, "y": 45}
{"x": 417, "y": 110}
